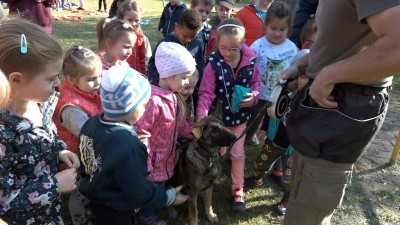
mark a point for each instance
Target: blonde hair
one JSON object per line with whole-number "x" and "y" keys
{"x": 4, "y": 90}
{"x": 308, "y": 30}
{"x": 231, "y": 26}
{"x": 80, "y": 61}
{"x": 126, "y": 6}
{"x": 112, "y": 29}
{"x": 42, "y": 48}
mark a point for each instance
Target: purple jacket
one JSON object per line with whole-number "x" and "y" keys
{"x": 37, "y": 12}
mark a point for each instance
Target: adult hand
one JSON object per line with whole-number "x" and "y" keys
{"x": 291, "y": 74}
{"x": 69, "y": 158}
{"x": 180, "y": 198}
{"x": 320, "y": 91}
{"x": 248, "y": 100}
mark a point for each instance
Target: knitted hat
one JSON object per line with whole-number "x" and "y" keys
{"x": 230, "y": 4}
{"x": 122, "y": 89}
{"x": 172, "y": 59}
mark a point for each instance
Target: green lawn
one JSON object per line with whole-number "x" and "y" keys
{"x": 260, "y": 201}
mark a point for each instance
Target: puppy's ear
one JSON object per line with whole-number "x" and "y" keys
{"x": 197, "y": 130}
{"x": 217, "y": 111}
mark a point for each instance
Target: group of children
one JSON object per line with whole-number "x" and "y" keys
{"x": 123, "y": 125}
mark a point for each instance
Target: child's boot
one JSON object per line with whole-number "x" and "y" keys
{"x": 238, "y": 201}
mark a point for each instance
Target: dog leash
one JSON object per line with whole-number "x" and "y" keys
{"x": 247, "y": 128}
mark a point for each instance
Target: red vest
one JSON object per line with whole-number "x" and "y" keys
{"x": 71, "y": 95}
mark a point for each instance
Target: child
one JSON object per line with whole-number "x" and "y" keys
{"x": 104, "y": 4}
{"x": 224, "y": 11}
{"x": 275, "y": 54}
{"x": 113, "y": 8}
{"x": 130, "y": 11}
{"x": 187, "y": 28}
{"x": 79, "y": 100}
{"x": 231, "y": 67}
{"x": 165, "y": 117}
{"x": 30, "y": 149}
{"x": 203, "y": 7}
{"x": 170, "y": 15}
{"x": 112, "y": 156}
{"x": 4, "y": 90}
{"x": 37, "y": 11}
{"x": 277, "y": 148}
{"x": 116, "y": 39}
{"x": 252, "y": 17}
{"x": 187, "y": 92}
{"x": 308, "y": 33}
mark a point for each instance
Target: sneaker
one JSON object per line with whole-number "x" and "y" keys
{"x": 238, "y": 203}
{"x": 152, "y": 220}
{"x": 252, "y": 182}
{"x": 281, "y": 206}
{"x": 253, "y": 141}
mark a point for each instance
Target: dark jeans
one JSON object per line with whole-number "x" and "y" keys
{"x": 105, "y": 215}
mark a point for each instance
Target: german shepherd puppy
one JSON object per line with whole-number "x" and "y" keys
{"x": 200, "y": 165}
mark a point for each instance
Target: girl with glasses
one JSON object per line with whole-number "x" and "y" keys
{"x": 231, "y": 77}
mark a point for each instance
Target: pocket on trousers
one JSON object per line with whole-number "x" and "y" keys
{"x": 334, "y": 134}
{"x": 321, "y": 187}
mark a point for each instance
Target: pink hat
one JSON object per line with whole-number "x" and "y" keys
{"x": 172, "y": 59}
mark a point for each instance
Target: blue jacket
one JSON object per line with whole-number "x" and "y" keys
{"x": 195, "y": 47}
{"x": 306, "y": 8}
{"x": 169, "y": 17}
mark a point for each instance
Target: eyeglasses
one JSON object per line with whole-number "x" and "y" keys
{"x": 232, "y": 50}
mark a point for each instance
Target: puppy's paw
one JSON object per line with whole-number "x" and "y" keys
{"x": 213, "y": 218}
{"x": 172, "y": 212}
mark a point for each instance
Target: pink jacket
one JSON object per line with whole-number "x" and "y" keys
{"x": 207, "y": 86}
{"x": 158, "y": 130}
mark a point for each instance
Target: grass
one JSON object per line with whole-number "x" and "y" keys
{"x": 359, "y": 207}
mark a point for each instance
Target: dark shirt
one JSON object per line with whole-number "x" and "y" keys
{"x": 114, "y": 167}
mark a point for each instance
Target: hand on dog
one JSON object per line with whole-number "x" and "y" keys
{"x": 248, "y": 100}
{"x": 180, "y": 198}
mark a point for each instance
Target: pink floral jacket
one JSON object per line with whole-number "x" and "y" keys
{"x": 158, "y": 130}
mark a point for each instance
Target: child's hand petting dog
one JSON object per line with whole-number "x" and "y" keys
{"x": 180, "y": 198}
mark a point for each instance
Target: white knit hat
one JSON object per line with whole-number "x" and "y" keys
{"x": 172, "y": 59}
{"x": 122, "y": 89}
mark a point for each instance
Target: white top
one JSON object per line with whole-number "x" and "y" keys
{"x": 272, "y": 60}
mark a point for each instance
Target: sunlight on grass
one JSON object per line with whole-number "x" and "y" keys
{"x": 357, "y": 207}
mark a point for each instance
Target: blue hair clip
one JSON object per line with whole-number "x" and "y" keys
{"x": 24, "y": 44}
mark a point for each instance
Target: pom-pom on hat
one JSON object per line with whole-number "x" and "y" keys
{"x": 172, "y": 59}
{"x": 122, "y": 89}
